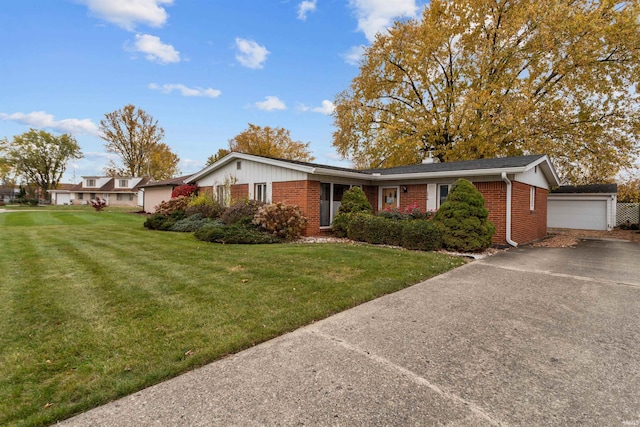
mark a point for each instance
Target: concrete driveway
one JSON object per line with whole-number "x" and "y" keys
{"x": 530, "y": 337}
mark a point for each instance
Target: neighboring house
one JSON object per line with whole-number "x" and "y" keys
{"x": 514, "y": 188}
{"x": 584, "y": 207}
{"x": 62, "y": 194}
{"x": 116, "y": 191}
{"x": 155, "y": 193}
{"x": 8, "y": 193}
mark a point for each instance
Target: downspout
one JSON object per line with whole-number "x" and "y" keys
{"x": 508, "y": 230}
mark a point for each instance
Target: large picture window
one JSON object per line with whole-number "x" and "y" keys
{"x": 330, "y": 201}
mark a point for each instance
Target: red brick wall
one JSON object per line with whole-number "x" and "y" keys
{"x": 495, "y": 200}
{"x": 239, "y": 192}
{"x": 527, "y": 225}
{"x": 371, "y": 192}
{"x": 304, "y": 194}
{"x": 415, "y": 194}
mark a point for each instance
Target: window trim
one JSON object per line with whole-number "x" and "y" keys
{"x": 125, "y": 185}
{"x": 256, "y": 186}
{"x": 532, "y": 198}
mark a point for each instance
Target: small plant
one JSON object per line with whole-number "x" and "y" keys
{"x": 412, "y": 211}
{"x": 184, "y": 190}
{"x": 462, "y": 219}
{"x": 98, "y": 204}
{"x": 241, "y": 211}
{"x": 281, "y": 220}
{"x": 180, "y": 203}
{"x": 205, "y": 205}
{"x": 163, "y": 222}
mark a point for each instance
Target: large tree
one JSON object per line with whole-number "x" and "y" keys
{"x": 136, "y": 138}
{"x": 485, "y": 78}
{"x": 40, "y": 157}
{"x": 215, "y": 157}
{"x": 271, "y": 142}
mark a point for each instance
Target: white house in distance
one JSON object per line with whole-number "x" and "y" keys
{"x": 116, "y": 191}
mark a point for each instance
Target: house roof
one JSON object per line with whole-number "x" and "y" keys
{"x": 481, "y": 167}
{"x": 586, "y": 189}
{"x": 107, "y": 187}
{"x": 172, "y": 182}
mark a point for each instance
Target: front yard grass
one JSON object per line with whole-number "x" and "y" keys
{"x": 94, "y": 307}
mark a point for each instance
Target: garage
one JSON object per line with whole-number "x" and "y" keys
{"x": 583, "y": 207}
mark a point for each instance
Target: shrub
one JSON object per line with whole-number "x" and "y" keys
{"x": 193, "y": 223}
{"x": 375, "y": 230}
{"x": 234, "y": 234}
{"x": 278, "y": 219}
{"x": 462, "y": 219}
{"x": 98, "y": 204}
{"x": 410, "y": 212}
{"x": 184, "y": 190}
{"x": 353, "y": 201}
{"x": 159, "y": 222}
{"x": 421, "y": 235}
{"x": 205, "y": 205}
{"x": 241, "y": 210}
{"x": 180, "y": 203}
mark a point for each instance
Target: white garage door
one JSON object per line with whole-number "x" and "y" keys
{"x": 579, "y": 214}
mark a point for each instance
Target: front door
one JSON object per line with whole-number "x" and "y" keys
{"x": 389, "y": 198}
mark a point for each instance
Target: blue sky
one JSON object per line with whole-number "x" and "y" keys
{"x": 204, "y": 69}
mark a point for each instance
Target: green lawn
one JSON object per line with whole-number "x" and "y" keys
{"x": 93, "y": 306}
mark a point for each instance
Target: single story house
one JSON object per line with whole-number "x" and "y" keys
{"x": 583, "y": 207}
{"x": 514, "y": 188}
{"x": 157, "y": 192}
{"x": 116, "y": 191}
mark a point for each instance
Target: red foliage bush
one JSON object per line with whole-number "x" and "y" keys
{"x": 184, "y": 190}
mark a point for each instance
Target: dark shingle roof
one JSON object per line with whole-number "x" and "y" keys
{"x": 167, "y": 182}
{"x": 591, "y": 188}
{"x": 496, "y": 163}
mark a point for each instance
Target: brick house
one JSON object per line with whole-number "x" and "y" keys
{"x": 514, "y": 188}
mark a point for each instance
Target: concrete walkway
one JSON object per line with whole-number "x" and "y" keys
{"x": 530, "y": 337}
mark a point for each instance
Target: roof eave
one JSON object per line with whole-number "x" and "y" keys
{"x": 450, "y": 173}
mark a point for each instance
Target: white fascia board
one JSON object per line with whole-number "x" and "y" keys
{"x": 448, "y": 174}
{"x": 242, "y": 156}
{"x": 342, "y": 174}
{"x": 548, "y": 170}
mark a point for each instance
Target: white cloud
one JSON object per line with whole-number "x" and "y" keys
{"x": 185, "y": 90}
{"x": 305, "y": 7}
{"x": 190, "y": 166}
{"x": 251, "y": 54}
{"x": 376, "y": 15}
{"x": 271, "y": 103}
{"x": 353, "y": 55}
{"x": 128, "y": 13}
{"x": 155, "y": 50}
{"x": 42, "y": 120}
{"x": 327, "y": 108}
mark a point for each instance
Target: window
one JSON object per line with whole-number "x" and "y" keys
{"x": 91, "y": 183}
{"x": 118, "y": 197}
{"x": 92, "y": 196}
{"x": 80, "y": 196}
{"x": 130, "y": 197}
{"x": 221, "y": 194}
{"x": 260, "y": 192}
{"x": 123, "y": 183}
{"x": 443, "y": 192}
{"x": 532, "y": 198}
{"x": 330, "y": 201}
{"x": 238, "y": 165}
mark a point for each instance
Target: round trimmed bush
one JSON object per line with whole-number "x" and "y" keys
{"x": 462, "y": 219}
{"x": 353, "y": 201}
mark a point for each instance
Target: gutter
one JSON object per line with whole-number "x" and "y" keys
{"x": 508, "y": 228}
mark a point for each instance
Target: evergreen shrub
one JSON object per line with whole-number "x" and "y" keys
{"x": 462, "y": 219}
{"x": 353, "y": 201}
